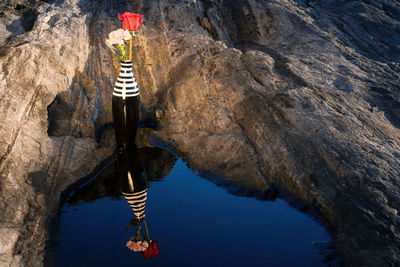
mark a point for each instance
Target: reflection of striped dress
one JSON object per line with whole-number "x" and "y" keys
{"x": 137, "y": 201}
{"x": 126, "y": 85}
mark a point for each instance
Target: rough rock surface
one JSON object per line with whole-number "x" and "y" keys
{"x": 299, "y": 95}
{"x": 48, "y": 72}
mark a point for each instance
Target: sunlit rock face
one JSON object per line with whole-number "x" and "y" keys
{"x": 298, "y": 95}
{"x": 52, "y": 106}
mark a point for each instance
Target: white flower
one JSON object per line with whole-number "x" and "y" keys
{"x": 118, "y": 37}
{"x": 108, "y": 42}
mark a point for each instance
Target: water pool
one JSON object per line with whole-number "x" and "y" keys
{"x": 193, "y": 221}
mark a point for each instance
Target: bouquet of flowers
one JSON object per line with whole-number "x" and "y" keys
{"x": 146, "y": 246}
{"x": 116, "y": 39}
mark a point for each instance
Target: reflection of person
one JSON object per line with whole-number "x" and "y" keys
{"x": 134, "y": 188}
{"x": 108, "y": 182}
{"x": 134, "y": 181}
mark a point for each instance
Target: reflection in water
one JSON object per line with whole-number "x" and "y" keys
{"x": 157, "y": 163}
{"x": 188, "y": 216}
{"x": 131, "y": 172}
{"x": 128, "y": 177}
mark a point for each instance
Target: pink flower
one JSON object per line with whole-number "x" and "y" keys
{"x": 137, "y": 246}
{"x": 118, "y": 37}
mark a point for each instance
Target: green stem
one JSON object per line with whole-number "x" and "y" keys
{"x": 147, "y": 231}
{"x": 138, "y": 235}
{"x": 130, "y": 47}
{"x": 123, "y": 52}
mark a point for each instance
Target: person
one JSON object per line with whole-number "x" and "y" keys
{"x": 125, "y": 106}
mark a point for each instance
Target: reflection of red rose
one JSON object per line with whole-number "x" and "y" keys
{"x": 130, "y": 21}
{"x": 151, "y": 251}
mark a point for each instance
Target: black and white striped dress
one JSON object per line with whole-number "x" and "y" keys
{"x": 137, "y": 201}
{"x": 136, "y": 195}
{"x": 126, "y": 85}
{"x": 134, "y": 180}
{"x": 125, "y": 106}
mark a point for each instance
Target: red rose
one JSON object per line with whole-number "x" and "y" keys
{"x": 151, "y": 251}
{"x": 130, "y": 21}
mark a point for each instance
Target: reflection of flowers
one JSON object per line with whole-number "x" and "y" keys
{"x": 137, "y": 245}
{"x": 148, "y": 247}
{"x": 151, "y": 251}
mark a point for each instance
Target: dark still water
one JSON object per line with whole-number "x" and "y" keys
{"x": 193, "y": 221}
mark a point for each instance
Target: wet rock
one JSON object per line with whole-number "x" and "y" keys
{"x": 328, "y": 253}
{"x": 299, "y": 95}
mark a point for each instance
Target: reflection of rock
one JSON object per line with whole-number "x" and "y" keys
{"x": 157, "y": 163}
{"x": 303, "y": 94}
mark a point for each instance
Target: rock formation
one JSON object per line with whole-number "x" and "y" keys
{"x": 45, "y": 69}
{"x": 300, "y": 95}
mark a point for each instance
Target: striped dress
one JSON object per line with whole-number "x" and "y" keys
{"x": 134, "y": 180}
{"x": 137, "y": 201}
{"x": 126, "y": 85}
{"x": 125, "y": 106}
